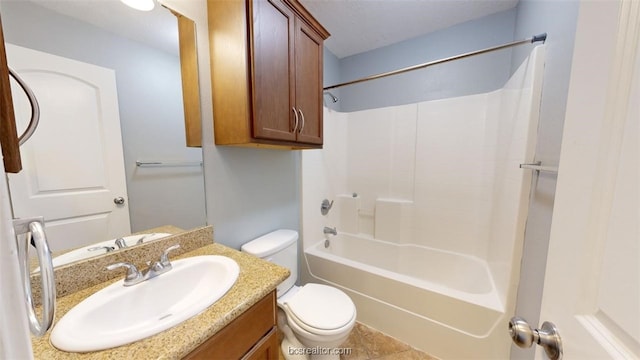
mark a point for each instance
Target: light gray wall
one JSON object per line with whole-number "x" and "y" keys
{"x": 251, "y": 192}
{"x": 151, "y": 112}
{"x": 331, "y": 74}
{"x": 558, "y": 19}
{"x": 463, "y": 77}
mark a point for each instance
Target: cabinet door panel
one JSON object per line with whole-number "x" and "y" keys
{"x": 273, "y": 71}
{"x": 266, "y": 349}
{"x": 248, "y": 332}
{"x": 309, "y": 83}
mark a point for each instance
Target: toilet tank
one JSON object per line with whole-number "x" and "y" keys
{"x": 279, "y": 247}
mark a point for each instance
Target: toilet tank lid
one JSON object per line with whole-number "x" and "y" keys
{"x": 270, "y": 243}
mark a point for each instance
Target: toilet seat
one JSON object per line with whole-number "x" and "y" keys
{"x": 320, "y": 309}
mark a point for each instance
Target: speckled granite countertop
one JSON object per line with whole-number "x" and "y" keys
{"x": 257, "y": 278}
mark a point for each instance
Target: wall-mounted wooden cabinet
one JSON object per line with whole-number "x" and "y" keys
{"x": 266, "y": 64}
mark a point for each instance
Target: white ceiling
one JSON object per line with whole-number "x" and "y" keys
{"x": 361, "y": 25}
{"x": 355, "y": 25}
{"x": 157, "y": 28}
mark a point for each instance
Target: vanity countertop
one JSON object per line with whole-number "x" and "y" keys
{"x": 257, "y": 278}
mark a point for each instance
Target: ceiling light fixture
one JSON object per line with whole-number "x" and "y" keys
{"x": 142, "y": 5}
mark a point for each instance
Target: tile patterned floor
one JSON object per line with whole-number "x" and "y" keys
{"x": 367, "y": 343}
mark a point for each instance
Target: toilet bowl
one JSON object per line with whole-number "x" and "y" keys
{"x": 314, "y": 318}
{"x": 319, "y": 315}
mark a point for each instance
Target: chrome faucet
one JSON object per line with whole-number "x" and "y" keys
{"x": 120, "y": 243}
{"x": 135, "y": 276}
{"x": 327, "y": 230}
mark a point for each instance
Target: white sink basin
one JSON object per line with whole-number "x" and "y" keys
{"x": 84, "y": 252}
{"x": 118, "y": 314}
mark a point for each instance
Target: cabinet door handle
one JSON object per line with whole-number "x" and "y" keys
{"x": 295, "y": 126}
{"x": 302, "y": 116}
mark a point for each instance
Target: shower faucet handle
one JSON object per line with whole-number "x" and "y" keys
{"x": 325, "y": 206}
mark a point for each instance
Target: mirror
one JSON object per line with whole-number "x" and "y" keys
{"x": 156, "y": 155}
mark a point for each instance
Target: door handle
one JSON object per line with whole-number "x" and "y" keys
{"x": 119, "y": 200}
{"x": 547, "y": 336}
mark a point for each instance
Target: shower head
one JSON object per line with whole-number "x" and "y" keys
{"x": 333, "y": 97}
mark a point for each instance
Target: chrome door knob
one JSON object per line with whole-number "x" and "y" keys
{"x": 547, "y": 336}
{"x": 119, "y": 200}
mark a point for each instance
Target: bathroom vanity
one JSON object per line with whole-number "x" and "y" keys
{"x": 242, "y": 324}
{"x": 253, "y": 335}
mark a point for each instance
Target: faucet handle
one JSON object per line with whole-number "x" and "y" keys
{"x": 164, "y": 258}
{"x": 143, "y": 237}
{"x": 325, "y": 206}
{"x": 133, "y": 276}
{"x": 106, "y": 248}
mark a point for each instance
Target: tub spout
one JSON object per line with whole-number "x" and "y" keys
{"x": 328, "y": 230}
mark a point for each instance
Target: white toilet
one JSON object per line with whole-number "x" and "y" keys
{"x": 314, "y": 316}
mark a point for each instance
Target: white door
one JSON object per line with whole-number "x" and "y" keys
{"x": 15, "y": 339}
{"x": 592, "y": 281}
{"x": 73, "y": 166}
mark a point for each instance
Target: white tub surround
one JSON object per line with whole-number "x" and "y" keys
{"x": 430, "y": 207}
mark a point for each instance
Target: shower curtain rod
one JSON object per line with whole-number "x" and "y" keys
{"x": 541, "y": 37}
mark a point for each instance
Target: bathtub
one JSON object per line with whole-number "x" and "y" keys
{"x": 428, "y": 291}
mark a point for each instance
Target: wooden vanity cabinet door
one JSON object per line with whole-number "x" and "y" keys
{"x": 243, "y": 335}
{"x": 273, "y": 70}
{"x": 267, "y": 349}
{"x": 309, "y": 83}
